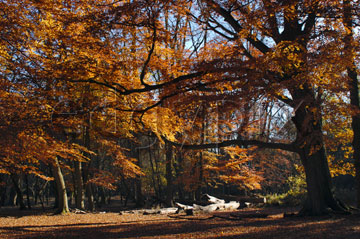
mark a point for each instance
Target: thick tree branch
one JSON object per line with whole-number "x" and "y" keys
{"x": 147, "y": 88}
{"x": 309, "y": 23}
{"x": 274, "y": 28}
{"x": 237, "y": 27}
{"x": 288, "y": 147}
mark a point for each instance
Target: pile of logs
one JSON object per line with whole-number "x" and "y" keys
{"x": 215, "y": 204}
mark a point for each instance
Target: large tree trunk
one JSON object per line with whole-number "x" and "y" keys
{"x": 354, "y": 90}
{"x": 61, "y": 189}
{"x": 311, "y": 148}
{"x": 356, "y": 138}
{"x": 320, "y": 198}
{"x": 355, "y": 124}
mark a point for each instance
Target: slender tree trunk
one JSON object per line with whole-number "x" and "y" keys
{"x": 200, "y": 179}
{"x": 201, "y": 159}
{"x": 27, "y": 191}
{"x": 158, "y": 170}
{"x": 20, "y": 197}
{"x": 178, "y": 169}
{"x": 169, "y": 175}
{"x": 61, "y": 189}
{"x": 140, "y": 200}
{"x": 2, "y": 196}
{"x": 79, "y": 186}
{"x": 153, "y": 171}
{"x": 88, "y": 188}
{"x": 12, "y": 197}
{"x": 39, "y": 192}
{"x": 4, "y": 190}
{"x": 54, "y": 188}
{"x": 36, "y": 190}
{"x": 102, "y": 196}
{"x": 87, "y": 143}
{"x": 90, "y": 197}
{"x": 86, "y": 173}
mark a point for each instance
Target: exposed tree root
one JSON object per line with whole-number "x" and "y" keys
{"x": 334, "y": 207}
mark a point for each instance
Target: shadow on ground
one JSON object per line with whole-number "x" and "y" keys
{"x": 274, "y": 226}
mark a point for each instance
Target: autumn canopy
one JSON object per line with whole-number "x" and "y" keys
{"x": 179, "y": 95}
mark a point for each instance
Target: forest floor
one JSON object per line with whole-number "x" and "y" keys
{"x": 245, "y": 223}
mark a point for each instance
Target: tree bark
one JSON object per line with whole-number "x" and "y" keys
{"x": 169, "y": 175}
{"x": 140, "y": 201}
{"x": 86, "y": 171}
{"x": 319, "y": 197}
{"x": 90, "y": 196}
{"x": 61, "y": 188}
{"x": 12, "y": 197}
{"x": 88, "y": 188}
{"x": 153, "y": 171}
{"x": 354, "y": 91}
{"x": 27, "y": 191}
{"x": 311, "y": 148}
{"x": 355, "y": 124}
{"x": 79, "y": 186}
{"x": 356, "y": 144}
{"x": 198, "y": 191}
{"x": 201, "y": 160}
{"x": 139, "y": 197}
{"x": 3, "y": 190}
{"x": 20, "y": 197}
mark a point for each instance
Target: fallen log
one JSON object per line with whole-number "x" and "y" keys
{"x": 169, "y": 210}
{"x": 189, "y": 210}
{"x": 216, "y": 204}
{"x": 207, "y": 209}
{"x": 214, "y": 200}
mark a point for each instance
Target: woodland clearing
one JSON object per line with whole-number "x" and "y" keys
{"x": 229, "y": 224}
